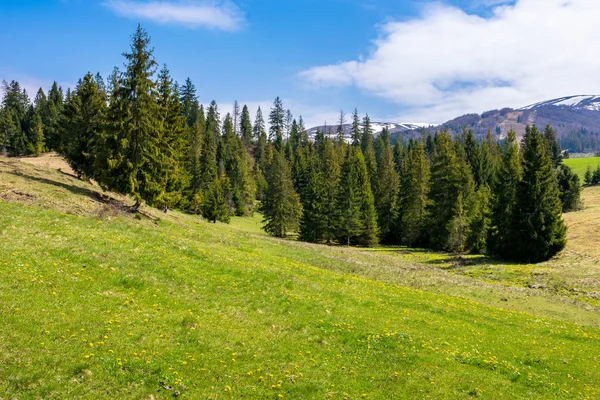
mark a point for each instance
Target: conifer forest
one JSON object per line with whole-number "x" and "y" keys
{"x": 140, "y": 133}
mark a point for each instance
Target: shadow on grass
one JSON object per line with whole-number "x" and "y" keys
{"x": 92, "y": 194}
{"x": 71, "y": 188}
{"x": 444, "y": 260}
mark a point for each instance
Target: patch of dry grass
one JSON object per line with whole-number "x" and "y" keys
{"x": 49, "y": 182}
{"x": 50, "y": 161}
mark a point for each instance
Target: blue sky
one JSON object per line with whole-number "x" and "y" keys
{"x": 408, "y": 61}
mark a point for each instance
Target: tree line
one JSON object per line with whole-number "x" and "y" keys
{"x": 140, "y": 133}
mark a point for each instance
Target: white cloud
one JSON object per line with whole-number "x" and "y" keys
{"x": 220, "y": 15}
{"x": 448, "y": 62}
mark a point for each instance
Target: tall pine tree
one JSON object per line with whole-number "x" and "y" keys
{"x": 84, "y": 124}
{"x": 281, "y": 206}
{"x": 133, "y": 164}
{"x": 504, "y": 194}
{"x": 451, "y": 195}
{"x": 357, "y": 223}
{"x": 387, "y": 189}
{"x": 413, "y": 196}
{"x": 536, "y": 223}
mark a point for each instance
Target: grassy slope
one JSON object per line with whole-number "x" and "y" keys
{"x": 115, "y": 307}
{"x": 580, "y": 165}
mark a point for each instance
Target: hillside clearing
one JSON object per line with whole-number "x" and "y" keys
{"x": 580, "y": 165}
{"x": 100, "y": 304}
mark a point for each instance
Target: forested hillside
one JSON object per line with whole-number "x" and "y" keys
{"x": 142, "y": 134}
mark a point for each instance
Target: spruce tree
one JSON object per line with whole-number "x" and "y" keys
{"x": 480, "y": 220}
{"x": 398, "y": 154}
{"x": 339, "y": 132}
{"x": 280, "y": 206}
{"x": 225, "y": 147}
{"x": 261, "y": 154}
{"x": 588, "y": 176}
{"x": 413, "y": 197}
{"x": 596, "y": 176}
{"x": 208, "y": 159}
{"x": 84, "y": 123}
{"x": 101, "y": 84}
{"x": 16, "y": 105}
{"x": 277, "y": 124}
{"x": 330, "y": 168}
{"x": 472, "y": 151}
{"x": 357, "y": 223}
{"x": 133, "y": 164}
{"x": 386, "y": 197}
{"x": 490, "y": 160}
{"x": 451, "y": 197}
{"x": 246, "y": 126}
{"x": 537, "y": 225}
{"x": 189, "y": 103}
{"x": 173, "y": 143}
{"x": 194, "y": 165}
{"x": 570, "y": 189}
{"x": 214, "y": 202}
{"x": 238, "y": 167}
{"x": 9, "y": 129}
{"x": 40, "y": 105}
{"x": 312, "y": 223}
{"x": 258, "y": 129}
{"x": 36, "y": 137}
{"x": 552, "y": 146}
{"x": 236, "y": 118}
{"x": 301, "y": 159}
{"x": 429, "y": 146}
{"x": 53, "y": 116}
{"x": 36, "y": 142}
{"x": 356, "y": 131}
{"x": 366, "y": 144}
{"x": 504, "y": 195}
{"x": 287, "y": 124}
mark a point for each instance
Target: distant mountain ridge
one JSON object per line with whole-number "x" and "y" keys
{"x": 393, "y": 127}
{"x": 581, "y": 102}
{"x": 576, "y": 120}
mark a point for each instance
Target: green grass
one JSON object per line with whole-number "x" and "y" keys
{"x": 113, "y": 307}
{"x": 580, "y": 165}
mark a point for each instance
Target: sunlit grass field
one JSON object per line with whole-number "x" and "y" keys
{"x": 97, "y": 304}
{"x": 580, "y": 165}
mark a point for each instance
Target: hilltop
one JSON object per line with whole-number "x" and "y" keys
{"x": 576, "y": 120}
{"x": 164, "y": 305}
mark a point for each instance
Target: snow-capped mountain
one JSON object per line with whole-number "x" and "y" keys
{"x": 581, "y": 102}
{"x": 576, "y": 120}
{"x": 393, "y": 127}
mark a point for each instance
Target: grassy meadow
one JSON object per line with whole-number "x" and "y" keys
{"x": 95, "y": 303}
{"x": 580, "y": 165}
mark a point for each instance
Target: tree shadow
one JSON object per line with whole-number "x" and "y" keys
{"x": 460, "y": 261}
{"x": 92, "y": 194}
{"x": 444, "y": 260}
{"x": 71, "y": 188}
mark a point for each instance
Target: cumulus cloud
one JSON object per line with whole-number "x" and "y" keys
{"x": 448, "y": 62}
{"x": 220, "y": 15}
